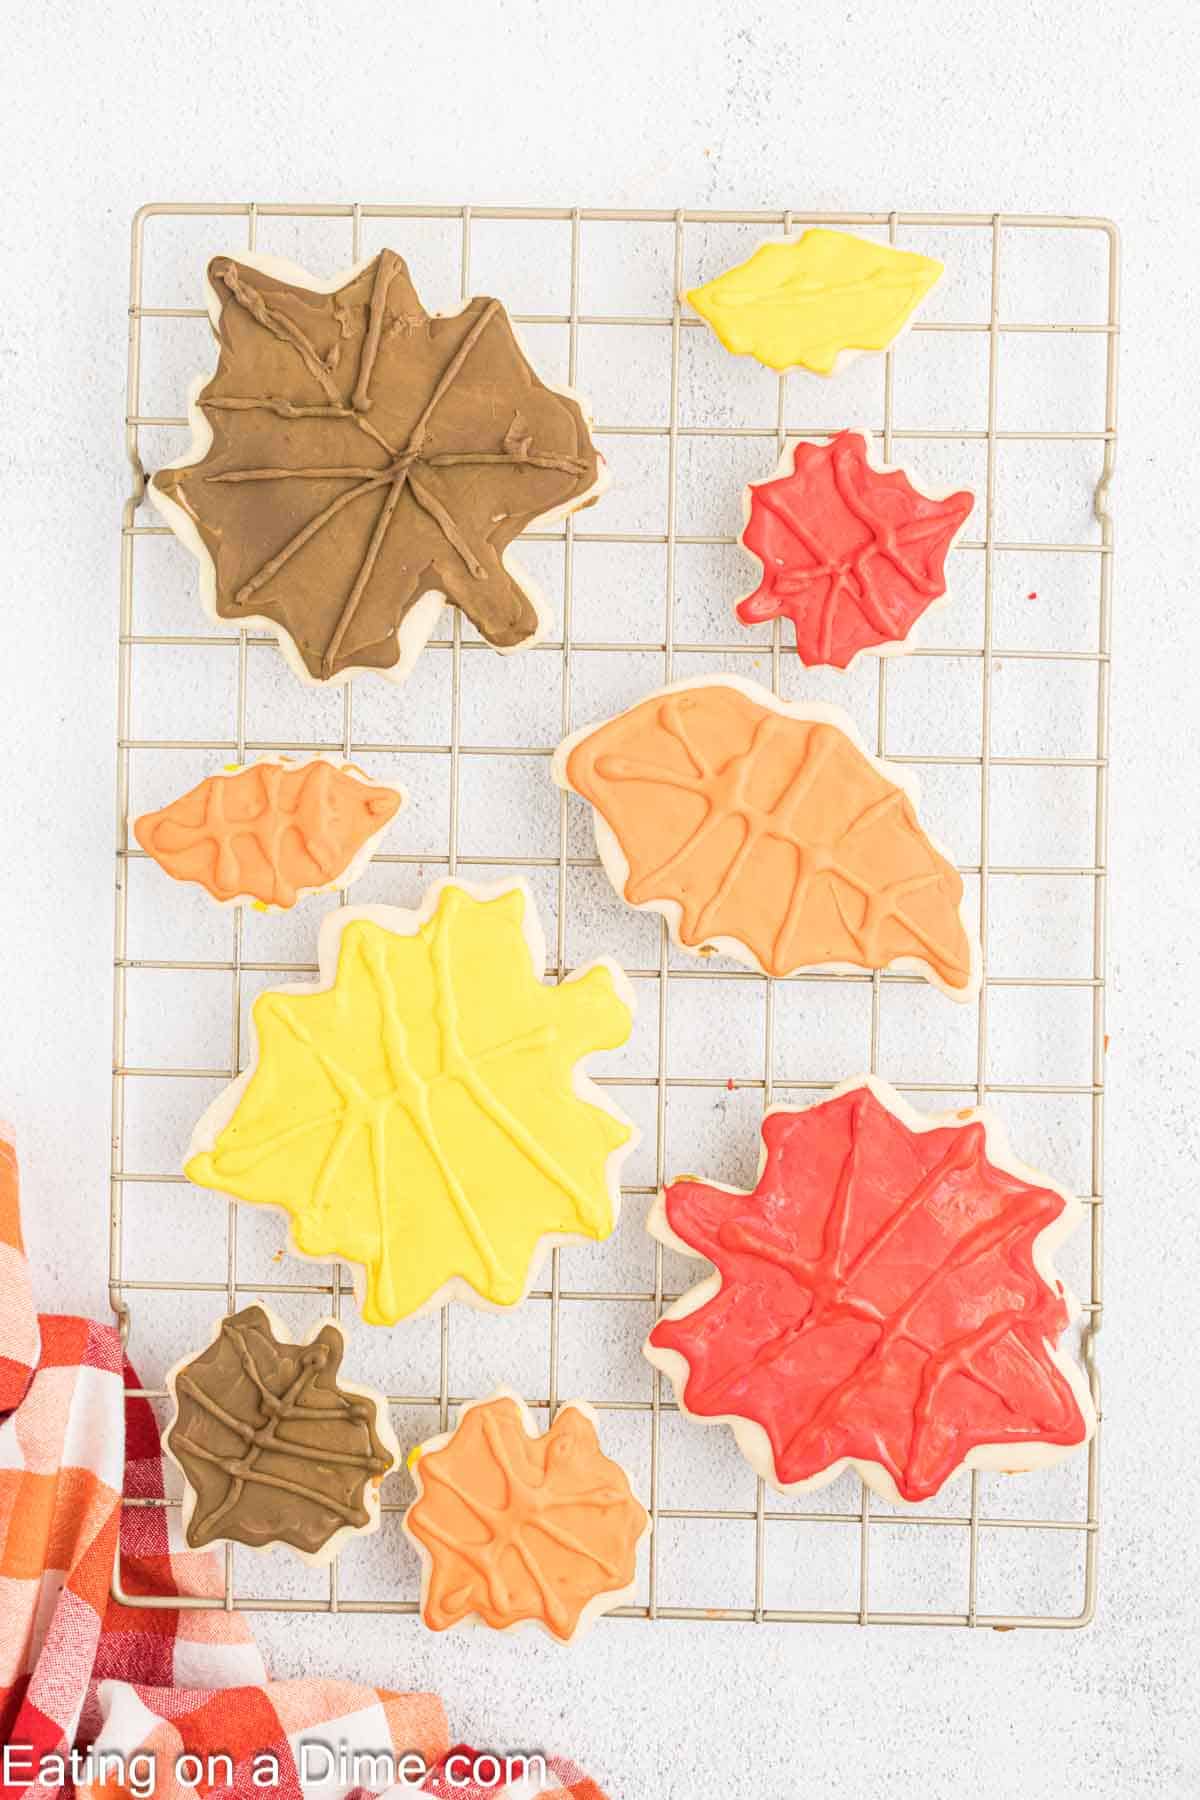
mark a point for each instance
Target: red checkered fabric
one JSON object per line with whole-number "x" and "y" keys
{"x": 19, "y": 1341}
{"x": 78, "y": 1669}
{"x": 564, "y": 1780}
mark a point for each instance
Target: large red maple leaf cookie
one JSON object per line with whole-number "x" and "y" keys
{"x": 885, "y": 1298}
{"x": 852, "y": 552}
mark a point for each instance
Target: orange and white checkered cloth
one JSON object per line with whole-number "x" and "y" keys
{"x": 79, "y": 1670}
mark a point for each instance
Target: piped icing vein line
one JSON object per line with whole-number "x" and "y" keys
{"x": 277, "y": 323}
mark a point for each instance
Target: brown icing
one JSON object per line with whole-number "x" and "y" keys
{"x": 364, "y": 454}
{"x": 269, "y": 832}
{"x": 273, "y": 1450}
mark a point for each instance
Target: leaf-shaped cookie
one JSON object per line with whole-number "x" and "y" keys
{"x": 357, "y": 462}
{"x": 851, "y": 551}
{"x": 518, "y": 1529}
{"x": 885, "y": 1297}
{"x": 816, "y": 301}
{"x": 273, "y": 832}
{"x": 764, "y": 830}
{"x": 422, "y": 1111}
{"x": 274, "y": 1447}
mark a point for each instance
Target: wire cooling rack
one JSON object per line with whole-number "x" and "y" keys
{"x": 1020, "y": 668}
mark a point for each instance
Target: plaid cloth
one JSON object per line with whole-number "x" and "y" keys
{"x": 564, "y": 1782}
{"x": 79, "y": 1669}
{"x": 20, "y": 1343}
{"x": 60, "y": 1484}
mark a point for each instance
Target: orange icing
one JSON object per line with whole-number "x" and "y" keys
{"x": 773, "y": 829}
{"x": 270, "y": 832}
{"x": 519, "y": 1528}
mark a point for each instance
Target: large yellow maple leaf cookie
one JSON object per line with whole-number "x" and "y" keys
{"x": 421, "y": 1112}
{"x": 817, "y": 301}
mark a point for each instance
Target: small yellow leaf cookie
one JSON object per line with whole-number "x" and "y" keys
{"x": 816, "y": 301}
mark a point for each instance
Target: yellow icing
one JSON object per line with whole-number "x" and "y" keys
{"x": 419, "y": 1116}
{"x": 802, "y": 301}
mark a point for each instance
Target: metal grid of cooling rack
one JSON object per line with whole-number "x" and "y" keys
{"x": 864, "y": 1520}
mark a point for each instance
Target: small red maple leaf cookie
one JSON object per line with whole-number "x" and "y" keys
{"x": 884, "y": 1299}
{"x": 852, "y": 551}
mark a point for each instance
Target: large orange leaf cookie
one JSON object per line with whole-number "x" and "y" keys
{"x": 766, "y": 831}
{"x": 514, "y": 1528}
{"x": 273, "y": 832}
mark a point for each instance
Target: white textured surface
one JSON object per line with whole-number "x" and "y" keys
{"x": 1067, "y": 107}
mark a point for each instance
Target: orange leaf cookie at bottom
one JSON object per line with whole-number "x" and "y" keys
{"x": 273, "y": 832}
{"x": 766, "y": 831}
{"x": 518, "y": 1529}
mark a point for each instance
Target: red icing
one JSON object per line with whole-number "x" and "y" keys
{"x": 878, "y": 1299}
{"x": 851, "y": 555}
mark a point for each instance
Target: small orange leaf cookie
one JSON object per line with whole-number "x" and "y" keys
{"x": 272, "y": 832}
{"x": 765, "y": 831}
{"x": 517, "y": 1529}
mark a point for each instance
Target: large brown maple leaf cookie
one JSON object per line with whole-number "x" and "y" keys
{"x": 358, "y": 462}
{"x": 274, "y": 1448}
